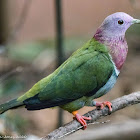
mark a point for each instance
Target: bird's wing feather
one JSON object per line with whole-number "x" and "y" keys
{"x": 87, "y": 69}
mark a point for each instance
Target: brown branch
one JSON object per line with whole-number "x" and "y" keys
{"x": 73, "y": 126}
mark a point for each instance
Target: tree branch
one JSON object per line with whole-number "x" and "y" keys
{"x": 73, "y": 126}
{"x": 22, "y": 18}
{"x": 126, "y": 130}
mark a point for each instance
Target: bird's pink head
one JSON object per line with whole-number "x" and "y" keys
{"x": 112, "y": 33}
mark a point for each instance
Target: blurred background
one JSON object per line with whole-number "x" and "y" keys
{"x": 36, "y": 37}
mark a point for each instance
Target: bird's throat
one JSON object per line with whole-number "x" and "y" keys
{"x": 117, "y": 46}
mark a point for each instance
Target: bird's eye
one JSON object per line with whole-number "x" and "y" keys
{"x": 120, "y": 22}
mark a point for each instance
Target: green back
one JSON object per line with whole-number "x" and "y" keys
{"x": 88, "y": 69}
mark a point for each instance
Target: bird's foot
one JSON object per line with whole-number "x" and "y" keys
{"x": 81, "y": 119}
{"x": 101, "y": 105}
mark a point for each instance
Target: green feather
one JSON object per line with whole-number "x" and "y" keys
{"x": 87, "y": 69}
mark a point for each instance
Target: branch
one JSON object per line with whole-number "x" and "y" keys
{"x": 22, "y": 18}
{"x": 128, "y": 130}
{"x": 17, "y": 28}
{"x": 73, "y": 126}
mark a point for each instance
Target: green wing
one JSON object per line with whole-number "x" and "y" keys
{"x": 86, "y": 70}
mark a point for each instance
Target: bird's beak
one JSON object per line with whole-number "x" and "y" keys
{"x": 136, "y": 21}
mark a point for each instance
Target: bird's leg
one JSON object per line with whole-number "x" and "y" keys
{"x": 101, "y": 105}
{"x": 81, "y": 119}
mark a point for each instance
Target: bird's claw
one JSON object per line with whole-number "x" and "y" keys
{"x": 81, "y": 120}
{"x": 103, "y": 104}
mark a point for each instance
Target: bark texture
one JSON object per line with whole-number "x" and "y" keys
{"x": 73, "y": 126}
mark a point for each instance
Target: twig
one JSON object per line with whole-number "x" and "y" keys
{"x": 22, "y": 18}
{"x": 117, "y": 104}
{"x": 12, "y": 72}
{"x": 82, "y": 127}
{"x": 17, "y": 28}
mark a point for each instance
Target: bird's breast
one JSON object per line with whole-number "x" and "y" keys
{"x": 108, "y": 86}
{"x": 118, "y": 51}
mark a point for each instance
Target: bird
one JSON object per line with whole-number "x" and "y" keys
{"x": 89, "y": 73}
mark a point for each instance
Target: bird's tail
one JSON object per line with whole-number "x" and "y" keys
{"x": 10, "y": 105}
